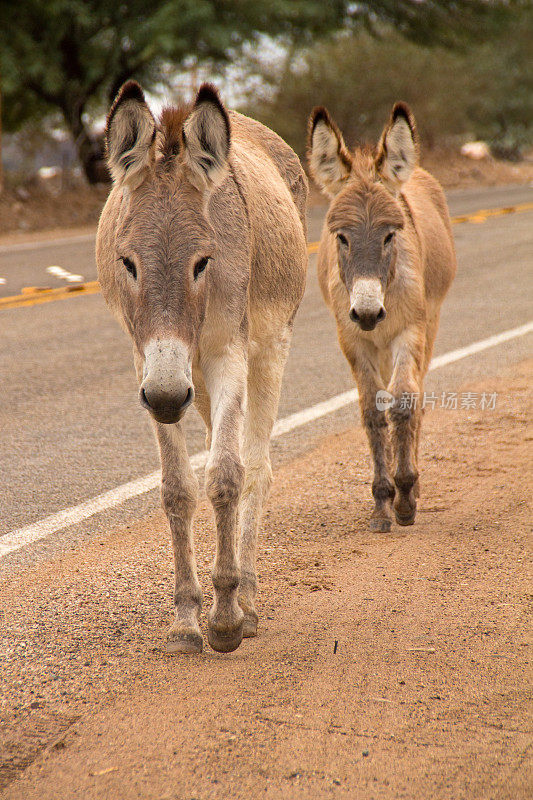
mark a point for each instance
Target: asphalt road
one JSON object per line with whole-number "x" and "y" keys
{"x": 71, "y": 425}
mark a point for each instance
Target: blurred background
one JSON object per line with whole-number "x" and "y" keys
{"x": 466, "y": 68}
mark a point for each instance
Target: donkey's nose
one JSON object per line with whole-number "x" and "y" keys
{"x": 367, "y": 320}
{"x": 166, "y": 406}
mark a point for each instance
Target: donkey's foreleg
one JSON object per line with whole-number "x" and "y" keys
{"x": 364, "y": 362}
{"x": 405, "y": 420}
{"x": 225, "y": 378}
{"x": 265, "y": 372}
{"x": 179, "y": 492}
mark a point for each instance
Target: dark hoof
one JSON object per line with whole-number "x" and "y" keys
{"x": 188, "y": 642}
{"x": 250, "y": 625}
{"x": 380, "y": 525}
{"x": 405, "y": 508}
{"x": 225, "y": 641}
{"x": 408, "y": 519}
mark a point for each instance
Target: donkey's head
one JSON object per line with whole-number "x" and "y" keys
{"x": 365, "y": 213}
{"x": 163, "y": 240}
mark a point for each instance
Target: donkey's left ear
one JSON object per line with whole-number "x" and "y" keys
{"x": 397, "y": 154}
{"x": 206, "y": 139}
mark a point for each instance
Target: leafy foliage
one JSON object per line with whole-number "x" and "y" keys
{"x": 64, "y": 53}
{"x": 66, "y": 56}
{"x": 483, "y": 92}
{"x": 500, "y": 104}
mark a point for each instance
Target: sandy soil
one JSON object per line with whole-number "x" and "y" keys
{"x": 455, "y": 171}
{"x": 37, "y": 209}
{"x": 425, "y": 697}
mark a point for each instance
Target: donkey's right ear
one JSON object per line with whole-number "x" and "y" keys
{"x": 330, "y": 162}
{"x": 130, "y": 135}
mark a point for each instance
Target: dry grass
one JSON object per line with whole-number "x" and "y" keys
{"x": 36, "y": 209}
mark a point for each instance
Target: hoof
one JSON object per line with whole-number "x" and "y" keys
{"x": 225, "y": 641}
{"x": 405, "y": 508}
{"x": 189, "y": 642}
{"x": 250, "y": 625}
{"x": 408, "y": 519}
{"x": 380, "y": 525}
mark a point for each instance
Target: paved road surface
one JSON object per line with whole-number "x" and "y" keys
{"x": 26, "y": 264}
{"x": 71, "y": 426}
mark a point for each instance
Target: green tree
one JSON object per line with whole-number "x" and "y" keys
{"x": 500, "y": 103}
{"x": 67, "y": 56}
{"x": 359, "y": 77}
{"x": 483, "y": 91}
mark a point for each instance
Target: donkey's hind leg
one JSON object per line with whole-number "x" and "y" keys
{"x": 431, "y": 333}
{"x": 202, "y": 403}
{"x": 265, "y": 372}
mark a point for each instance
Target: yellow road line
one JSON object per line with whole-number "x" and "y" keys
{"x": 47, "y": 295}
{"x": 28, "y": 298}
{"x": 475, "y": 217}
{"x": 484, "y": 213}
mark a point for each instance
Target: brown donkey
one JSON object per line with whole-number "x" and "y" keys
{"x": 202, "y": 256}
{"x": 385, "y": 262}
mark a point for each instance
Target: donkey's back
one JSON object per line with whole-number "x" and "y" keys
{"x": 428, "y": 213}
{"x": 274, "y": 187}
{"x": 252, "y": 134}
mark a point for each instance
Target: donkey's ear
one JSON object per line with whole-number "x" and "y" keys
{"x": 206, "y": 139}
{"x": 397, "y": 154}
{"x": 130, "y": 136}
{"x": 330, "y": 162}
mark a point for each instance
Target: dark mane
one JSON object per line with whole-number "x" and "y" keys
{"x": 171, "y": 127}
{"x": 364, "y": 197}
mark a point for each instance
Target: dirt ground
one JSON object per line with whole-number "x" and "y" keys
{"x": 425, "y": 696}
{"x": 26, "y": 210}
{"x": 455, "y": 171}
{"x": 35, "y": 209}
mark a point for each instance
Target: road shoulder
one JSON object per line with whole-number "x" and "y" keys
{"x": 424, "y": 697}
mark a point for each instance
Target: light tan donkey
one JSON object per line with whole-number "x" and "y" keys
{"x": 385, "y": 262}
{"x": 201, "y": 255}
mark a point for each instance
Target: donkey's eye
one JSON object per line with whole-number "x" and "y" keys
{"x": 130, "y": 266}
{"x": 200, "y": 266}
{"x": 388, "y": 238}
{"x": 342, "y": 239}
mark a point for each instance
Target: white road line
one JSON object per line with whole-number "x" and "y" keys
{"x": 483, "y": 344}
{"x": 114, "y": 497}
{"x": 64, "y": 274}
{"x": 2, "y": 281}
